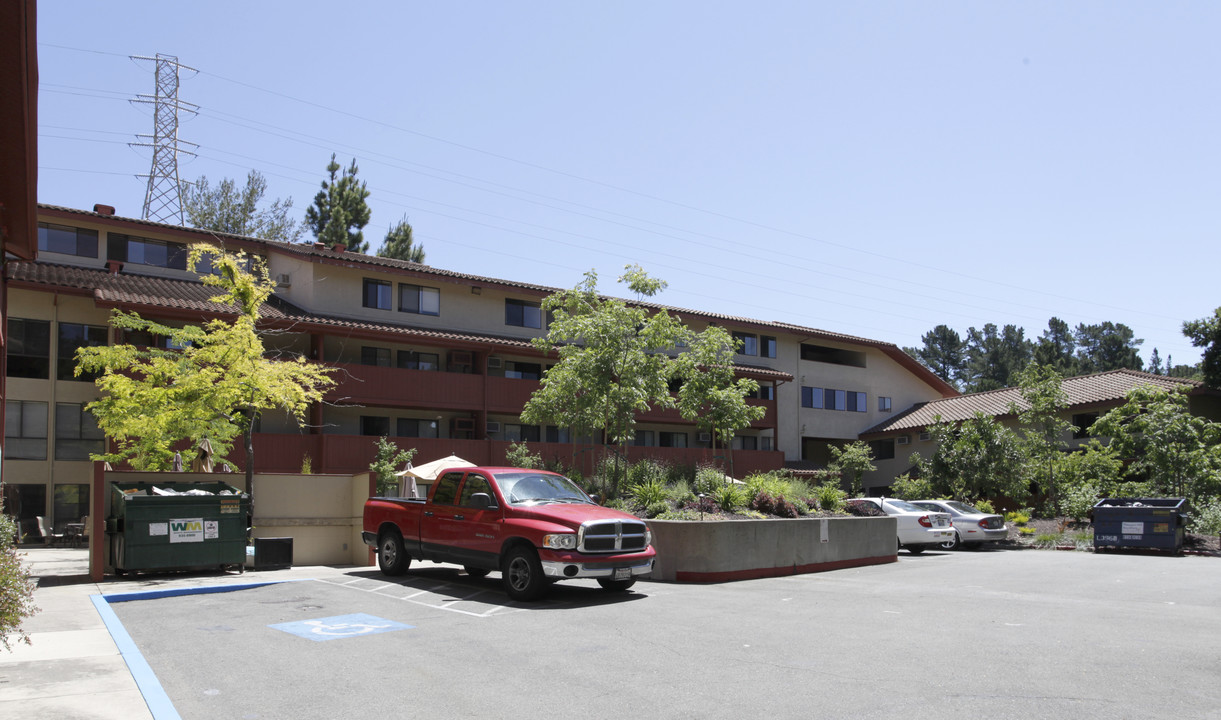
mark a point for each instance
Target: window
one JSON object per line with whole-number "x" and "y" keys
{"x": 672, "y": 439}
{"x": 765, "y": 392}
{"x": 523, "y": 371}
{"x": 411, "y": 360}
{"x": 416, "y": 428}
{"x": 67, "y": 240}
{"x": 746, "y": 442}
{"x": 748, "y": 344}
{"x": 1082, "y": 421}
{"x": 644, "y": 438}
{"x": 883, "y": 404}
{"x": 521, "y": 433}
{"x": 375, "y": 426}
{"x": 834, "y": 356}
{"x": 475, "y": 484}
{"x": 835, "y": 399}
{"x": 377, "y": 294}
{"x": 523, "y": 314}
{"x": 29, "y": 349}
{"x": 767, "y": 346}
{"x": 143, "y": 251}
{"x": 419, "y": 300}
{"x": 883, "y": 449}
{"x": 558, "y": 434}
{"x": 76, "y": 433}
{"x": 765, "y": 443}
{"x": 71, "y": 337}
{"x": 812, "y": 397}
{"x": 71, "y": 504}
{"x": 375, "y": 356}
{"x": 25, "y": 430}
{"x": 447, "y": 489}
{"x": 857, "y": 402}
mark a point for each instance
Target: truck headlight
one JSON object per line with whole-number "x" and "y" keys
{"x": 563, "y": 541}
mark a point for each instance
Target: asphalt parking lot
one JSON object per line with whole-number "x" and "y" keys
{"x": 996, "y": 634}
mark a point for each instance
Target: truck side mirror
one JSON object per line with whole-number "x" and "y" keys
{"x": 482, "y": 501}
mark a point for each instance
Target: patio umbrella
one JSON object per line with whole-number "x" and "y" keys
{"x": 430, "y": 470}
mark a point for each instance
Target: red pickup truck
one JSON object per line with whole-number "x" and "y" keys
{"x": 533, "y": 526}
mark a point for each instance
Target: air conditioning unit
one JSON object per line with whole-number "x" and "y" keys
{"x": 493, "y": 428}
{"x": 925, "y": 437}
{"x": 462, "y": 424}
{"x": 705, "y": 437}
{"x": 284, "y": 280}
{"x": 495, "y": 363}
{"x": 903, "y": 440}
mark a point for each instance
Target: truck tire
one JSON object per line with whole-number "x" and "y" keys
{"x": 391, "y": 557}
{"x": 522, "y": 574}
{"x": 616, "y": 585}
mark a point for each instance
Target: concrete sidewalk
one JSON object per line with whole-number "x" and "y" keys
{"x": 73, "y": 668}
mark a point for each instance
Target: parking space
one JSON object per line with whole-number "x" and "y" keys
{"x": 994, "y": 634}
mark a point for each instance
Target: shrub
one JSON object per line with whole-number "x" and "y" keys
{"x": 906, "y": 487}
{"x": 655, "y": 509}
{"x": 708, "y": 478}
{"x": 1017, "y": 517}
{"x": 1206, "y": 520}
{"x": 648, "y": 492}
{"x": 1078, "y": 500}
{"x": 519, "y": 455}
{"x": 986, "y": 506}
{"x": 830, "y": 497}
{"x": 16, "y": 588}
{"x": 645, "y": 471}
{"x": 1026, "y": 531}
{"x": 730, "y": 497}
{"x": 680, "y": 493}
{"x": 862, "y": 508}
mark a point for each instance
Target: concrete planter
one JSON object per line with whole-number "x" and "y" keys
{"x": 719, "y": 551}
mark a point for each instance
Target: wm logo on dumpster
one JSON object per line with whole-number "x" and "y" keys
{"x": 186, "y": 530}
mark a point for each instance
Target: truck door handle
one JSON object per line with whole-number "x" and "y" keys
{"x": 459, "y": 517}
{"x": 428, "y": 513}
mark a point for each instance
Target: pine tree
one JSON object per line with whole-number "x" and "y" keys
{"x": 339, "y": 210}
{"x": 400, "y": 244}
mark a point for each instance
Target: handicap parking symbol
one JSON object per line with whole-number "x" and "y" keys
{"x": 340, "y": 626}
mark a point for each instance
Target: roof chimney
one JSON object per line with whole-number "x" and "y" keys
{"x": 339, "y": 247}
{"x": 319, "y": 245}
{"x": 103, "y": 209}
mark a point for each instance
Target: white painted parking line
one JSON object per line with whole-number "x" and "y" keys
{"x": 430, "y": 597}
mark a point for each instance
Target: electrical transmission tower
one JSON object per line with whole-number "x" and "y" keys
{"x": 162, "y": 200}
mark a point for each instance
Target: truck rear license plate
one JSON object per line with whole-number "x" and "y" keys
{"x": 623, "y": 574}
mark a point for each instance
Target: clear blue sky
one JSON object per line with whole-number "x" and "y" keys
{"x": 866, "y": 168}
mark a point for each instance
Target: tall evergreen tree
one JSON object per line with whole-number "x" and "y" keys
{"x": 228, "y": 209}
{"x": 339, "y": 210}
{"x": 1155, "y": 363}
{"x": 993, "y": 357}
{"x": 943, "y": 353}
{"x": 1206, "y": 333}
{"x": 1056, "y": 346}
{"x": 400, "y": 244}
{"x": 1107, "y": 346}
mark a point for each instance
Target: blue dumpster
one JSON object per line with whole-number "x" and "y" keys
{"x": 1148, "y": 523}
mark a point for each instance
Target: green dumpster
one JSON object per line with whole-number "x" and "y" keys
{"x": 173, "y": 525}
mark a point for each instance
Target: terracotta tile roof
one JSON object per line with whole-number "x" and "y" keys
{"x": 1082, "y": 391}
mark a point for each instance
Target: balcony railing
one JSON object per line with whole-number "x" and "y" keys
{"x": 381, "y": 386}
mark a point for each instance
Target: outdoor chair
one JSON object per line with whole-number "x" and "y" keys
{"x": 48, "y": 537}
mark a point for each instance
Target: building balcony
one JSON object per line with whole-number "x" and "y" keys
{"x": 382, "y": 386}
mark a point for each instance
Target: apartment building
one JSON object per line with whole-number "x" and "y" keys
{"x": 437, "y": 360}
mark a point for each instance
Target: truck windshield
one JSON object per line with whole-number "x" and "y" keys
{"x": 531, "y": 488}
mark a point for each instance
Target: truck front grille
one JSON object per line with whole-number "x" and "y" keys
{"x": 611, "y": 536}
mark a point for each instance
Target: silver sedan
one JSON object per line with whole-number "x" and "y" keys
{"x": 972, "y": 526}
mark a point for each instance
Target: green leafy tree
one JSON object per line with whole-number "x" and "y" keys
{"x": 16, "y": 587}
{"x": 386, "y": 463}
{"x": 976, "y": 459}
{"x": 852, "y": 461}
{"x": 1042, "y": 422}
{"x": 710, "y": 395}
{"x": 612, "y": 365}
{"x": 1056, "y": 348}
{"x": 1087, "y": 475}
{"x": 400, "y": 244}
{"x": 1206, "y": 333}
{"x": 943, "y": 352}
{"x": 519, "y": 455}
{"x": 229, "y": 209}
{"x": 1107, "y": 346}
{"x": 214, "y": 387}
{"x": 1164, "y": 443}
{"x": 339, "y": 210}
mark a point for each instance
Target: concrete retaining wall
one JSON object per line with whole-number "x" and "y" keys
{"x": 724, "y": 550}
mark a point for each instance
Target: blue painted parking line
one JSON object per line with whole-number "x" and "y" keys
{"x": 339, "y": 627}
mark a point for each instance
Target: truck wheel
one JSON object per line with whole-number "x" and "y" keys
{"x": 391, "y": 557}
{"x": 522, "y": 574}
{"x": 475, "y": 572}
{"x": 616, "y": 585}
